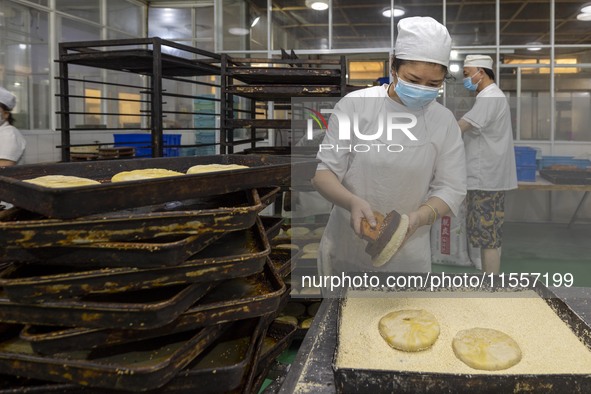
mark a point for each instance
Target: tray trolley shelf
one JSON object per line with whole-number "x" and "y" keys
{"x": 142, "y": 106}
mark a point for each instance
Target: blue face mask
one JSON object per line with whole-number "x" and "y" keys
{"x": 468, "y": 83}
{"x": 415, "y": 96}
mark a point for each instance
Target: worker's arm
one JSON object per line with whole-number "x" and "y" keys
{"x": 329, "y": 186}
{"x": 431, "y": 210}
{"x": 464, "y": 126}
{"x": 6, "y": 163}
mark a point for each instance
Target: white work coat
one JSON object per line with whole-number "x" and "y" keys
{"x": 490, "y": 157}
{"x": 12, "y": 143}
{"x": 433, "y": 165}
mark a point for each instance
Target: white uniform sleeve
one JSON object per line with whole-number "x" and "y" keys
{"x": 12, "y": 144}
{"x": 331, "y": 158}
{"x": 449, "y": 176}
{"x": 484, "y": 111}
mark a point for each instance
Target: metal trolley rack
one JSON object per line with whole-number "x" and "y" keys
{"x": 155, "y": 58}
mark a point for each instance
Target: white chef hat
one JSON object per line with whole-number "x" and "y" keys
{"x": 7, "y": 98}
{"x": 423, "y": 39}
{"x": 483, "y": 61}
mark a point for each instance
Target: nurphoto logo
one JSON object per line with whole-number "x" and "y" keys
{"x": 386, "y": 123}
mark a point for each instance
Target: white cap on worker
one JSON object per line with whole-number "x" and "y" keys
{"x": 423, "y": 39}
{"x": 483, "y": 61}
{"x": 7, "y": 98}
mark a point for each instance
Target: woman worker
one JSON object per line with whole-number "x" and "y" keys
{"x": 12, "y": 143}
{"x": 424, "y": 180}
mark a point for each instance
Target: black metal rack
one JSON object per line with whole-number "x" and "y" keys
{"x": 143, "y": 56}
{"x": 262, "y": 80}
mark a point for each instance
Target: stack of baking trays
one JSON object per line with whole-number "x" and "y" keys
{"x": 162, "y": 285}
{"x": 300, "y": 238}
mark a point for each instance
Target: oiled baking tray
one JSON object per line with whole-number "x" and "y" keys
{"x": 285, "y": 260}
{"x": 272, "y": 225}
{"x": 232, "y": 300}
{"x": 236, "y": 254}
{"x": 230, "y": 212}
{"x": 279, "y": 337}
{"x": 67, "y": 203}
{"x": 220, "y": 368}
{"x": 138, "y": 366}
{"x": 140, "y": 309}
{"x": 348, "y": 380}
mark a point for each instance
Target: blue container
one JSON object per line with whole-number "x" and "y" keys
{"x": 143, "y": 143}
{"x": 526, "y": 173}
{"x": 525, "y": 156}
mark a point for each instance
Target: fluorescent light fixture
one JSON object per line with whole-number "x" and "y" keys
{"x": 534, "y": 46}
{"x": 17, "y": 84}
{"x": 22, "y": 46}
{"x": 453, "y": 54}
{"x": 586, "y": 8}
{"x": 238, "y": 31}
{"x": 454, "y": 68}
{"x": 398, "y": 11}
{"x": 584, "y": 16}
{"x": 318, "y": 5}
{"x": 255, "y": 21}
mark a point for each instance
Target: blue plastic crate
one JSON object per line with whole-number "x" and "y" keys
{"x": 548, "y": 161}
{"x": 526, "y": 173}
{"x": 525, "y": 156}
{"x": 143, "y": 143}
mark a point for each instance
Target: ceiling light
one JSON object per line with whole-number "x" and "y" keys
{"x": 318, "y": 5}
{"x": 534, "y": 46}
{"x": 453, "y": 54}
{"x": 238, "y": 31}
{"x": 398, "y": 11}
{"x": 255, "y": 21}
{"x": 584, "y": 16}
{"x": 454, "y": 68}
{"x": 22, "y": 46}
{"x": 586, "y": 8}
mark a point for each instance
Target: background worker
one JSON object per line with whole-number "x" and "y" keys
{"x": 12, "y": 143}
{"x": 490, "y": 160}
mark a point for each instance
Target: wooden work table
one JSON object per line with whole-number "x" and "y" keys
{"x": 544, "y": 185}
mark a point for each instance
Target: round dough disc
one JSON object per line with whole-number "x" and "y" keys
{"x": 409, "y": 330}
{"x": 486, "y": 349}
{"x": 307, "y": 323}
{"x": 145, "y": 173}
{"x": 312, "y": 248}
{"x": 61, "y": 181}
{"x": 204, "y": 168}
{"x": 318, "y": 232}
{"x": 297, "y": 231}
{"x": 287, "y": 319}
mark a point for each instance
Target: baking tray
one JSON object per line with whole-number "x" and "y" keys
{"x": 222, "y": 367}
{"x": 231, "y": 212}
{"x": 562, "y": 177}
{"x": 284, "y": 260}
{"x": 138, "y": 366}
{"x": 278, "y": 338}
{"x": 236, "y": 254}
{"x": 233, "y": 300}
{"x": 356, "y": 380}
{"x": 272, "y": 225}
{"x": 67, "y": 203}
{"x": 159, "y": 251}
{"x": 142, "y": 309}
